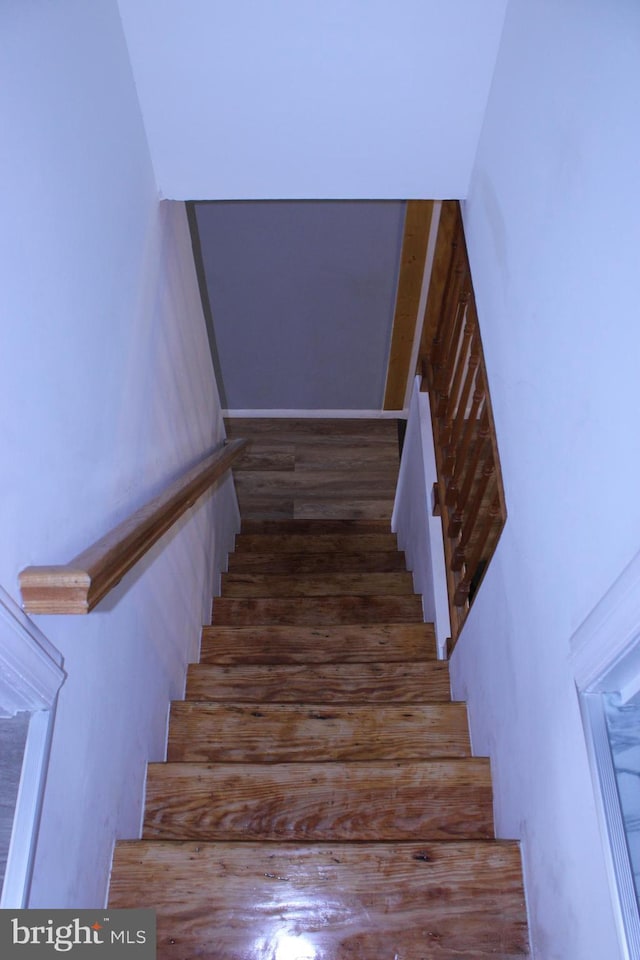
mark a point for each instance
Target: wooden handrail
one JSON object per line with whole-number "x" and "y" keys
{"x": 77, "y": 587}
{"x": 470, "y": 492}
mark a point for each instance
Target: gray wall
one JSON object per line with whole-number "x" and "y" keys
{"x": 302, "y": 295}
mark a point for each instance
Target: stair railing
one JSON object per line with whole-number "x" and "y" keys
{"x": 468, "y": 495}
{"x": 77, "y": 586}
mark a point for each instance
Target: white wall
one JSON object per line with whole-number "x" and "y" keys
{"x": 553, "y": 226}
{"x": 106, "y": 393}
{"x": 302, "y": 299}
{"x": 363, "y": 99}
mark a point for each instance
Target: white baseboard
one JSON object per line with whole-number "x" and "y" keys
{"x": 324, "y": 414}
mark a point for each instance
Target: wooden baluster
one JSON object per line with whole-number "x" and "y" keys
{"x": 447, "y": 325}
{"x": 464, "y": 452}
{"x": 442, "y": 328}
{"x": 460, "y": 507}
{"x": 445, "y": 375}
{"x": 479, "y": 553}
{"x": 471, "y": 365}
{"x": 470, "y": 521}
{"x": 459, "y": 366}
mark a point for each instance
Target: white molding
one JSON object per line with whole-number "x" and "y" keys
{"x": 26, "y": 820}
{"x": 616, "y": 851}
{"x": 324, "y": 414}
{"x": 30, "y": 667}
{"x": 30, "y": 676}
{"x": 419, "y": 532}
{"x": 434, "y": 524}
{"x": 609, "y": 633}
{"x": 424, "y": 293}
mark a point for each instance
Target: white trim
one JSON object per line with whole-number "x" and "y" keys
{"x": 434, "y": 523}
{"x": 26, "y": 820}
{"x": 605, "y": 656}
{"x": 611, "y": 631}
{"x": 30, "y": 676}
{"x": 419, "y": 532}
{"x": 30, "y": 667}
{"x": 616, "y": 852}
{"x": 424, "y": 293}
{"x": 325, "y": 414}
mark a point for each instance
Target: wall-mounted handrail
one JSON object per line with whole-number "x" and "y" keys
{"x": 76, "y": 587}
{"x": 469, "y": 491}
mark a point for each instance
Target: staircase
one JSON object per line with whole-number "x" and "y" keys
{"x": 320, "y": 801}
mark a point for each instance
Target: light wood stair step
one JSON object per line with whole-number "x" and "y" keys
{"x": 320, "y": 509}
{"x": 379, "y": 561}
{"x": 395, "y": 584}
{"x": 315, "y": 611}
{"x": 313, "y": 528}
{"x": 252, "y": 901}
{"x": 331, "y": 544}
{"x": 336, "y": 485}
{"x": 284, "y": 732}
{"x": 334, "y": 682}
{"x": 312, "y": 802}
{"x": 314, "y": 430}
{"x": 350, "y": 643}
{"x": 275, "y": 510}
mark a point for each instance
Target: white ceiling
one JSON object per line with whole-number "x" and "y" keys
{"x": 313, "y": 98}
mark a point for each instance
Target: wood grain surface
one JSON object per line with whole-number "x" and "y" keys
{"x": 313, "y": 528}
{"x": 435, "y": 900}
{"x": 350, "y": 643}
{"x": 326, "y": 682}
{"x": 315, "y": 611}
{"x": 395, "y": 584}
{"x": 284, "y": 732}
{"x": 320, "y": 801}
{"x": 383, "y": 800}
{"x": 318, "y": 468}
{"x": 380, "y": 561}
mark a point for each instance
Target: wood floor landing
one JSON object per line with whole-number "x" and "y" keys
{"x": 320, "y": 800}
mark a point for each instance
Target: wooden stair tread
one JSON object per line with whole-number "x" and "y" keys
{"x": 335, "y": 683}
{"x": 357, "y": 508}
{"x": 320, "y": 801}
{"x": 397, "y": 583}
{"x": 227, "y": 901}
{"x": 330, "y": 484}
{"x": 313, "y": 528}
{"x": 316, "y": 430}
{"x": 315, "y": 611}
{"x": 349, "y": 643}
{"x": 330, "y": 544}
{"x": 383, "y": 800}
{"x": 284, "y": 732}
{"x": 379, "y": 561}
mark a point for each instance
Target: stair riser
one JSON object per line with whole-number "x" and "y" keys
{"x": 316, "y": 611}
{"x": 314, "y": 528}
{"x": 377, "y": 643}
{"x": 317, "y": 585}
{"x": 341, "y": 683}
{"x": 331, "y": 545}
{"x": 307, "y": 508}
{"x": 316, "y": 563}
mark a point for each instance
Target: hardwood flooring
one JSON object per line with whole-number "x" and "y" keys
{"x": 320, "y": 800}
